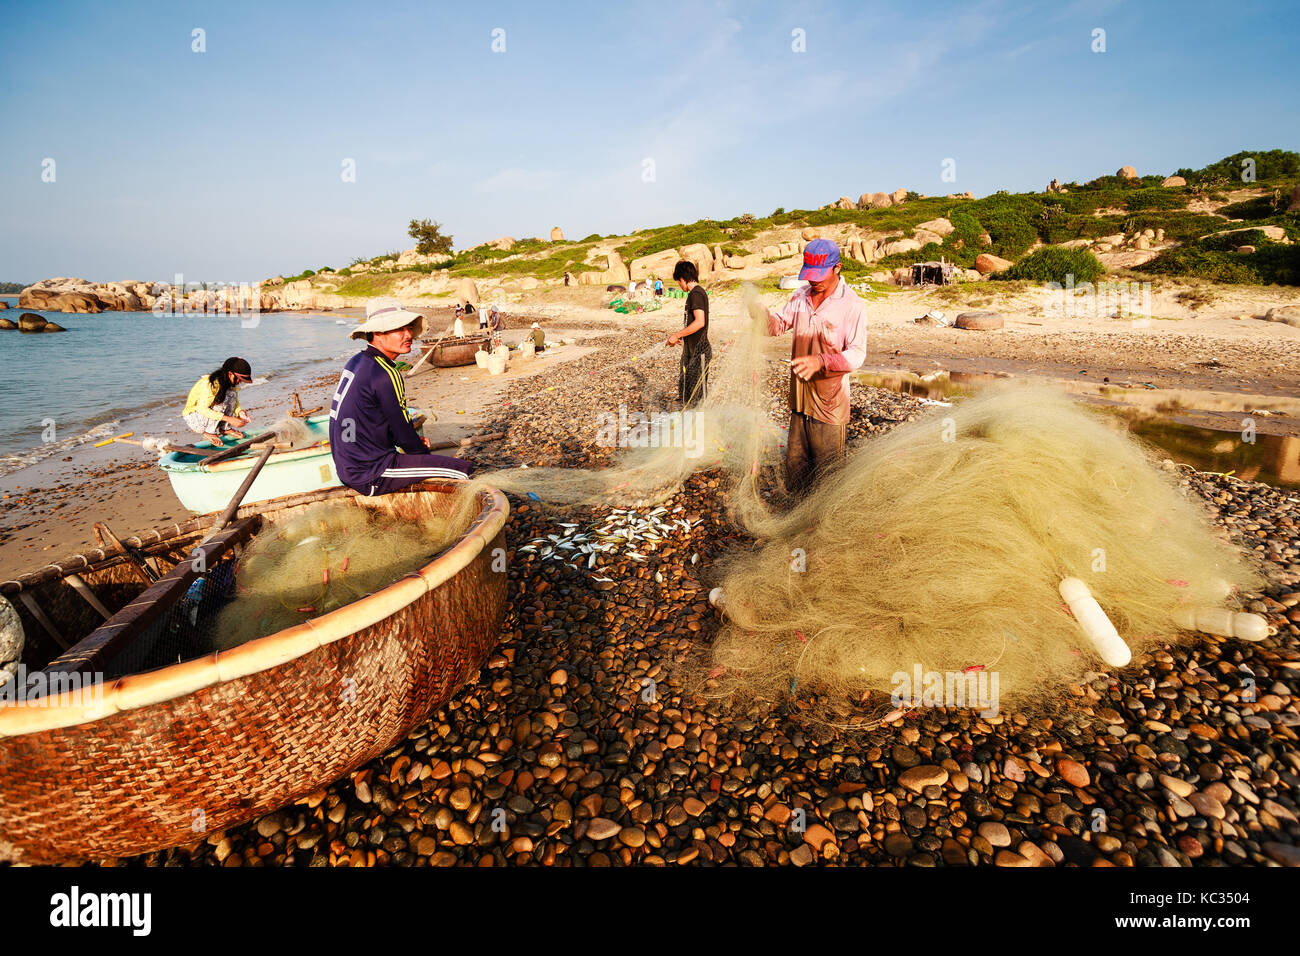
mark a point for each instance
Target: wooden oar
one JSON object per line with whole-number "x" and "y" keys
{"x": 427, "y": 355}
{"x": 238, "y": 498}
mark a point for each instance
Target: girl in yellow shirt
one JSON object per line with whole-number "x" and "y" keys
{"x": 212, "y": 407}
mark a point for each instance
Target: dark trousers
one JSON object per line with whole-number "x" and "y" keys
{"x": 692, "y": 380}
{"x": 811, "y": 448}
{"x": 408, "y": 469}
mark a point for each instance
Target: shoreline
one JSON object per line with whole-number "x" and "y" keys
{"x": 50, "y": 506}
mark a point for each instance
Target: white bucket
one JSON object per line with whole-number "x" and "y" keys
{"x": 481, "y": 359}
{"x": 496, "y": 363}
{"x": 526, "y": 349}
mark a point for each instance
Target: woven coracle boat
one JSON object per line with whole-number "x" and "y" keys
{"x": 160, "y": 753}
{"x": 451, "y": 353}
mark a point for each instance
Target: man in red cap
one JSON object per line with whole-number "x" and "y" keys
{"x": 830, "y": 340}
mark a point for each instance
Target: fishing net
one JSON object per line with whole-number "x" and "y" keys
{"x": 939, "y": 548}
{"x": 332, "y": 554}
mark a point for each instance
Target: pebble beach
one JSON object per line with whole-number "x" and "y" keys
{"x": 583, "y": 740}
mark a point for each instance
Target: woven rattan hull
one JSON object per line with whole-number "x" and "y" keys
{"x": 161, "y": 774}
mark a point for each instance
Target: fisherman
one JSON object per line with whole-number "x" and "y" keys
{"x": 539, "y": 338}
{"x": 212, "y": 408}
{"x": 830, "y": 340}
{"x": 693, "y": 337}
{"x": 376, "y": 449}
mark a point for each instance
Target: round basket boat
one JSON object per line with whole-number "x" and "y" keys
{"x": 110, "y": 766}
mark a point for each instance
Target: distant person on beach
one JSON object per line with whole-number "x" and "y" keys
{"x": 694, "y": 336}
{"x": 659, "y": 287}
{"x": 371, "y": 436}
{"x": 830, "y": 340}
{"x": 496, "y": 320}
{"x": 539, "y": 338}
{"x": 212, "y": 408}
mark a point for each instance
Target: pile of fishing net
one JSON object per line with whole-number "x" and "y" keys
{"x": 943, "y": 544}
{"x": 332, "y": 554}
{"x": 942, "y": 547}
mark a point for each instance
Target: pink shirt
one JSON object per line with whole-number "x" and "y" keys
{"x": 837, "y": 331}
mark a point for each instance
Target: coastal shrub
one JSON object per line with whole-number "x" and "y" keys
{"x": 1269, "y": 164}
{"x": 1052, "y": 264}
{"x": 1213, "y": 258}
{"x": 966, "y": 228}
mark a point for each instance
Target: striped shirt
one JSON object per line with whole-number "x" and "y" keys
{"x": 369, "y": 420}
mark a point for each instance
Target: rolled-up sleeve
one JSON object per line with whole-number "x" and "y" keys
{"x": 782, "y": 321}
{"x": 854, "y": 350}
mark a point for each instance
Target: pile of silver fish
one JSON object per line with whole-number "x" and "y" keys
{"x": 621, "y": 532}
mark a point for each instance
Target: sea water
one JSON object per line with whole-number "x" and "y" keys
{"x": 61, "y": 390}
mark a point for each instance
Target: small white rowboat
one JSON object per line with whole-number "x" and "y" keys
{"x": 204, "y": 486}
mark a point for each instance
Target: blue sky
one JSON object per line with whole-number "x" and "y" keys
{"x": 226, "y": 165}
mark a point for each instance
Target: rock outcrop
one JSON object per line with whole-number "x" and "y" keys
{"x": 1126, "y": 172}
{"x": 702, "y": 256}
{"x": 504, "y": 244}
{"x": 658, "y": 263}
{"x": 1173, "y": 181}
{"x": 940, "y": 226}
{"x": 8, "y": 324}
{"x": 986, "y": 264}
{"x": 557, "y": 234}
{"x": 31, "y": 322}
{"x": 467, "y": 292}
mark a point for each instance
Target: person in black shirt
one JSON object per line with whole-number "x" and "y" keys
{"x": 694, "y": 336}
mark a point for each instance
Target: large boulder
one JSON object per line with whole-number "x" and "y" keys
{"x": 31, "y": 322}
{"x": 898, "y": 195}
{"x": 771, "y": 252}
{"x": 925, "y": 237}
{"x": 557, "y": 234}
{"x": 702, "y": 256}
{"x": 1173, "y": 181}
{"x": 616, "y": 270}
{"x": 659, "y": 264}
{"x": 940, "y": 226}
{"x": 809, "y": 234}
{"x": 59, "y": 300}
{"x": 986, "y": 264}
{"x": 900, "y": 246}
{"x": 844, "y": 202}
{"x": 467, "y": 292}
{"x": 53, "y": 327}
{"x": 8, "y": 324}
{"x": 877, "y": 200}
{"x": 1126, "y": 172}
{"x": 504, "y": 244}
{"x": 1287, "y": 314}
{"x": 3, "y": 305}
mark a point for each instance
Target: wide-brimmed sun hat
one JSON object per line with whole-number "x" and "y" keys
{"x": 385, "y": 314}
